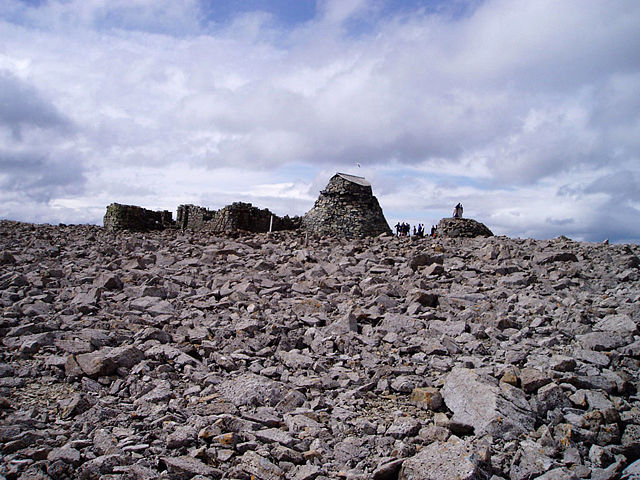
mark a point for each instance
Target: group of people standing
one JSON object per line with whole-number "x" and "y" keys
{"x": 404, "y": 230}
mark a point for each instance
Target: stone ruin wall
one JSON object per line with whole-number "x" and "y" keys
{"x": 235, "y": 217}
{"x": 134, "y": 218}
{"x": 346, "y": 209}
{"x": 193, "y": 217}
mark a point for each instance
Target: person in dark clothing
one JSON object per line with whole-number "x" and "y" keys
{"x": 457, "y": 211}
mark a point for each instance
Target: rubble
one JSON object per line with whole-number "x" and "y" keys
{"x": 177, "y": 354}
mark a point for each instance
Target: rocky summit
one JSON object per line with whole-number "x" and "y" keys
{"x": 189, "y": 355}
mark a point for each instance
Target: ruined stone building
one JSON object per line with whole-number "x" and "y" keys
{"x": 232, "y": 218}
{"x": 238, "y": 216}
{"x": 346, "y": 208}
{"x": 134, "y": 218}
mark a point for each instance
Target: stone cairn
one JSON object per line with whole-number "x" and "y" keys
{"x": 346, "y": 208}
{"x": 137, "y": 219}
{"x": 238, "y": 216}
{"x": 462, "y": 227}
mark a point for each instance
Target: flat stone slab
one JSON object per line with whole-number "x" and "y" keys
{"x": 490, "y": 408}
{"x": 438, "y": 461}
{"x": 251, "y": 389}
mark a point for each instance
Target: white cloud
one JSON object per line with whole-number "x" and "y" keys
{"x": 503, "y": 107}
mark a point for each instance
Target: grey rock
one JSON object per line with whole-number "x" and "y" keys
{"x": 66, "y": 454}
{"x": 489, "y": 408}
{"x": 428, "y": 398}
{"x": 530, "y": 461}
{"x": 560, "y": 473}
{"x": 424, "y": 259}
{"x": 556, "y": 257}
{"x": 260, "y": 467}
{"x": 251, "y": 389}
{"x": 323, "y": 357}
{"x": 632, "y": 471}
{"x": 602, "y": 341}
{"x": 107, "y": 360}
{"x": 404, "y": 427}
{"x": 388, "y": 470}
{"x": 306, "y": 472}
{"x": 275, "y": 435}
{"x": 453, "y": 459}
{"x": 622, "y": 324}
{"x": 98, "y": 467}
{"x": 182, "y": 436}
{"x": 532, "y": 379}
{"x": 185, "y": 467}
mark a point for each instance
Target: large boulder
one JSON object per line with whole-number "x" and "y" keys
{"x": 489, "y": 407}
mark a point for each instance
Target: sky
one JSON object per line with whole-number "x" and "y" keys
{"x": 525, "y": 111}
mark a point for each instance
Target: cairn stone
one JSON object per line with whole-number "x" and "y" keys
{"x": 462, "y": 227}
{"x": 346, "y": 208}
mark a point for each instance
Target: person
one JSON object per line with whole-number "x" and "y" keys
{"x": 398, "y": 229}
{"x": 457, "y": 211}
{"x": 433, "y": 230}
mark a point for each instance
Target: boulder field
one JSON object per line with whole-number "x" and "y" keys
{"x": 185, "y": 355}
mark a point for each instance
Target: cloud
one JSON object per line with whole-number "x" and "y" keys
{"x": 620, "y": 186}
{"x": 153, "y": 16}
{"x": 22, "y": 107}
{"x": 38, "y": 177}
{"x": 528, "y": 112}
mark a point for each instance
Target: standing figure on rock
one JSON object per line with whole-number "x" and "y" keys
{"x": 457, "y": 211}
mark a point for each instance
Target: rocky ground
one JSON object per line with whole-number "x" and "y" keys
{"x": 178, "y": 355}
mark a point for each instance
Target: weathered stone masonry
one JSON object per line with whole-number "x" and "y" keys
{"x": 462, "y": 227}
{"x": 346, "y": 208}
{"x": 235, "y": 217}
{"x": 133, "y": 218}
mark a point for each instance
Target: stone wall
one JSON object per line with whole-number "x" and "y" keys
{"x": 238, "y": 216}
{"x": 462, "y": 227}
{"x": 346, "y": 208}
{"x": 131, "y": 217}
{"x": 193, "y": 217}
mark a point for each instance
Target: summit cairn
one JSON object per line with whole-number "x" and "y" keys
{"x": 346, "y": 208}
{"x": 462, "y": 227}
